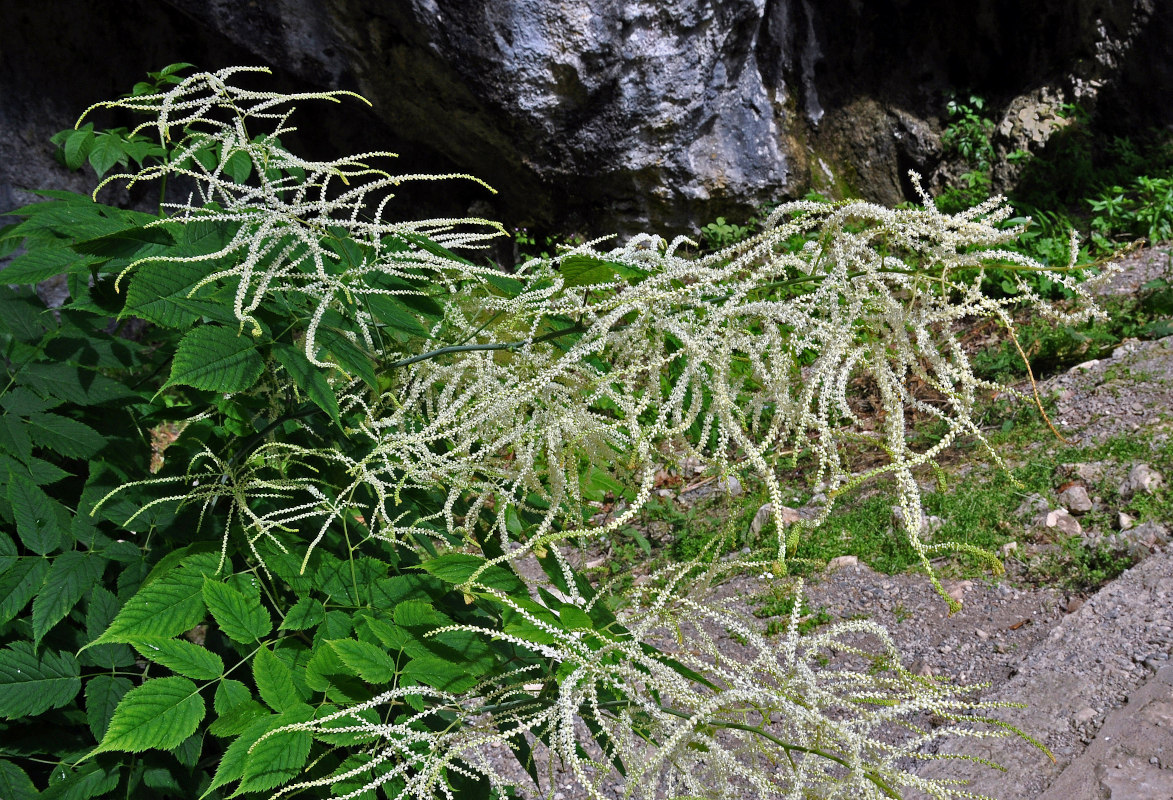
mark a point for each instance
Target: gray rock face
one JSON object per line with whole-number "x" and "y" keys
{"x": 609, "y": 114}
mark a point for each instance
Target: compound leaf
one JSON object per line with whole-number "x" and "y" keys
{"x": 370, "y": 662}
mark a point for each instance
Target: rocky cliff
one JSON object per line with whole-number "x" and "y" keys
{"x": 612, "y": 114}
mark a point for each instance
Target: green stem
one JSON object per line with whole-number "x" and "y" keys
{"x": 470, "y": 348}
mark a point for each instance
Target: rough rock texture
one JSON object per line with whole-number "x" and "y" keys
{"x": 612, "y": 114}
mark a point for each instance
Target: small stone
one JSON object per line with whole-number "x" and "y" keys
{"x": 839, "y": 562}
{"x": 1088, "y": 472}
{"x": 1006, "y": 550}
{"x": 765, "y": 515}
{"x": 921, "y": 667}
{"x": 1141, "y": 540}
{"x": 1084, "y": 716}
{"x": 730, "y": 485}
{"x": 1074, "y": 604}
{"x": 1075, "y": 499}
{"x": 1033, "y": 506}
{"x": 1000, "y": 648}
{"x": 1124, "y": 521}
{"x": 1061, "y": 520}
{"x": 958, "y": 589}
{"x": 1141, "y": 479}
{"x": 978, "y": 632}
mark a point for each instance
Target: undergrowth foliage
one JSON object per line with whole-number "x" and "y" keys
{"x": 326, "y": 588}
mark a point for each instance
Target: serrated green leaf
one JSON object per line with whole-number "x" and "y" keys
{"x": 25, "y": 317}
{"x": 156, "y": 290}
{"x": 31, "y": 684}
{"x": 181, "y": 657}
{"x": 236, "y": 757}
{"x": 103, "y": 607}
{"x": 8, "y": 552}
{"x": 18, "y": 585}
{"x": 103, "y": 693}
{"x": 214, "y": 358}
{"x": 419, "y": 614}
{"x": 394, "y": 313}
{"x": 15, "y": 784}
{"x": 105, "y": 152}
{"x": 91, "y": 779}
{"x": 14, "y": 437}
{"x": 308, "y": 378}
{"x": 75, "y": 384}
{"x": 238, "y": 166}
{"x": 457, "y": 568}
{"x": 128, "y": 243}
{"x": 439, "y": 673}
{"x": 275, "y": 760}
{"x": 240, "y": 620}
{"x": 63, "y": 435}
{"x": 77, "y": 146}
{"x": 274, "y": 681}
{"x": 582, "y": 270}
{"x": 38, "y": 516}
{"x": 237, "y": 719}
{"x": 166, "y": 607}
{"x": 306, "y": 613}
{"x": 229, "y": 694}
{"x": 371, "y": 663}
{"x": 70, "y": 576}
{"x": 349, "y": 356}
{"x": 159, "y": 714}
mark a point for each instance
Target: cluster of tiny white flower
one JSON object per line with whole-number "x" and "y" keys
{"x": 614, "y": 361}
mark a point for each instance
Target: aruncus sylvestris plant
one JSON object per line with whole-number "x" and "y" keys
{"x": 383, "y": 441}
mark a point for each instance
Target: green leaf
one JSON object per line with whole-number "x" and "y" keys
{"x": 421, "y": 615}
{"x": 106, "y": 152}
{"x": 37, "y": 515}
{"x": 238, "y": 166}
{"x": 369, "y": 662}
{"x": 274, "y": 681}
{"x": 103, "y": 693}
{"x": 129, "y": 243}
{"x": 236, "y": 758}
{"x": 15, "y": 784}
{"x": 8, "y": 552}
{"x": 229, "y": 694}
{"x": 14, "y": 437}
{"x": 439, "y": 673}
{"x": 31, "y": 684}
{"x": 18, "y": 585}
{"x": 159, "y": 714}
{"x": 457, "y": 568}
{"x": 103, "y": 607}
{"x": 308, "y": 378}
{"x": 166, "y": 607}
{"x": 349, "y": 356}
{"x": 43, "y": 263}
{"x": 77, "y": 146}
{"x": 181, "y": 657}
{"x": 91, "y": 779}
{"x": 71, "y": 576}
{"x": 275, "y": 760}
{"x": 394, "y": 313}
{"x": 215, "y": 359}
{"x": 66, "y": 436}
{"x": 159, "y": 292}
{"x": 306, "y": 613}
{"x": 240, "y": 620}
